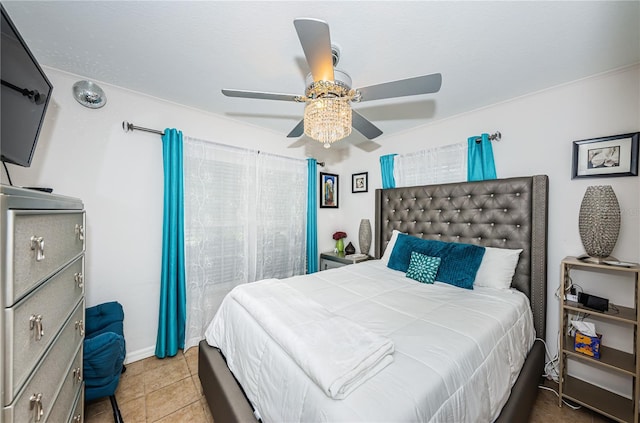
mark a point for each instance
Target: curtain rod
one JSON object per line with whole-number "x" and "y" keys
{"x": 126, "y": 126}
{"x": 496, "y": 136}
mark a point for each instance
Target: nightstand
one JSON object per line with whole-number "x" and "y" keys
{"x": 331, "y": 260}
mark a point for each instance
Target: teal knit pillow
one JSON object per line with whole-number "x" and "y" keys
{"x": 423, "y": 268}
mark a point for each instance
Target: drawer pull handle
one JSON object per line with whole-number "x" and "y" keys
{"x": 80, "y": 231}
{"x": 80, "y": 325}
{"x": 35, "y": 322}
{"x": 37, "y": 243}
{"x": 36, "y": 405}
{"x": 77, "y": 374}
{"x": 77, "y": 418}
{"x": 79, "y": 278}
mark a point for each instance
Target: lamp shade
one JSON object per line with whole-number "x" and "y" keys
{"x": 599, "y": 221}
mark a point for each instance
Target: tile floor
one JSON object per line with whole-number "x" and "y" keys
{"x": 154, "y": 390}
{"x": 168, "y": 390}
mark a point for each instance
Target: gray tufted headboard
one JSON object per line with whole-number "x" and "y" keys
{"x": 503, "y": 213}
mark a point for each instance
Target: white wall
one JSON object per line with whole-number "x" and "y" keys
{"x": 537, "y": 134}
{"x": 85, "y": 153}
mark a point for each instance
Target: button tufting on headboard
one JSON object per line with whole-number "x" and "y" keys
{"x": 505, "y": 213}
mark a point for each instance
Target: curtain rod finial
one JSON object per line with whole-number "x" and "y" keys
{"x": 126, "y": 126}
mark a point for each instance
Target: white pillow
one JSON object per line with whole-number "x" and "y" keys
{"x": 390, "y": 245}
{"x": 497, "y": 268}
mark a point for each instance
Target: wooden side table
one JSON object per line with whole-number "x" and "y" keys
{"x": 605, "y": 402}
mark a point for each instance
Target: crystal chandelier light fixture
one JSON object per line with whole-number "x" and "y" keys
{"x": 327, "y": 114}
{"x": 327, "y": 120}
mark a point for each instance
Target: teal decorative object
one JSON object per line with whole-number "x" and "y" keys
{"x": 423, "y": 268}
{"x": 459, "y": 265}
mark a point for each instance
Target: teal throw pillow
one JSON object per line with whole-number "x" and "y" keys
{"x": 423, "y": 268}
{"x": 459, "y": 265}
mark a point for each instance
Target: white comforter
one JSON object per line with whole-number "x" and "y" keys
{"x": 338, "y": 354}
{"x": 457, "y": 352}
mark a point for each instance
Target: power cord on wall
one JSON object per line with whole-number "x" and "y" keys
{"x": 572, "y": 288}
{"x": 551, "y": 372}
{"x": 576, "y": 289}
{"x": 551, "y": 364}
{"x": 571, "y": 406}
{"x": 7, "y": 170}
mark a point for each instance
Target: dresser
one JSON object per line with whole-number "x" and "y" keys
{"x": 42, "y": 325}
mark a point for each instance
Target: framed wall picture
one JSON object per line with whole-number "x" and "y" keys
{"x": 328, "y": 190}
{"x": 360, "y": 182}
{"x": 616, "y": 155}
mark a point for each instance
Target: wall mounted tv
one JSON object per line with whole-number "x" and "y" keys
{"x": 24, "y": 97}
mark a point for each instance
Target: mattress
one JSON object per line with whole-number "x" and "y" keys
{"x": 457, "y": 352}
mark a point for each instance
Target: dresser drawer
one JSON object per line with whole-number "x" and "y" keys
{"x": 38, "y": 243}
{"x": 64, "y": 404}
{"x": 31, "y": 325}
{"x": 78, "y": 408}
{"x": 43, "y": 385}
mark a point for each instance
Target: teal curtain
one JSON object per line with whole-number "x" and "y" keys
{"x": 172, "y": 316}
{"x": 386, "y": 168}
{"x": 312, "y": 216}
{"x": 480, "y": 164}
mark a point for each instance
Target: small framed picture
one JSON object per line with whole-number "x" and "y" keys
{"x": 360, "y": 182}
{"x": 328, "y": 190}
{"x": 616, "y": 155}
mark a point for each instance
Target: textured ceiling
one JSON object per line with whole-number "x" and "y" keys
{"x": 186, "y": 52}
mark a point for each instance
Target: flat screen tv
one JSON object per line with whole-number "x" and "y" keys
{"x": 24, "y": 97}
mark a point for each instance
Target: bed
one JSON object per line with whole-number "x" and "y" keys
{"x": 508, "y": 213}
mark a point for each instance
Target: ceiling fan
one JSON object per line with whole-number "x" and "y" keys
{"x": 328, "y": 115}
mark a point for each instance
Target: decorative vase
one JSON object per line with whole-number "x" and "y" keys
{"x": 364, "y": 236}
{"x": 340, "y": 245}
{"x": 350, "y": 249}
{"x": 599, "y": 222}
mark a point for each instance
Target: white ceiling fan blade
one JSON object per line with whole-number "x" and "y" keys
{"x": 259, "y": 95}
{"x": 426, "y": 84}
{"x": 297, "y": 131}
{"x": 363, "y": 126}
{"x": 316, "y": 43}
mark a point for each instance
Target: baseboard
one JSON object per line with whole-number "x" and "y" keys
{"x": 149, "y": 352}
{"x": 139, "y": 354}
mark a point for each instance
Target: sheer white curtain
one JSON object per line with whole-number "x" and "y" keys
{"x": 244, "y": 220}
{"x": 438, "y": 165}
{"x": 281, "y": 222}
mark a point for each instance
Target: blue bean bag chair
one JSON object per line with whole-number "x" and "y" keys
{"x": 104, "y": 352}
